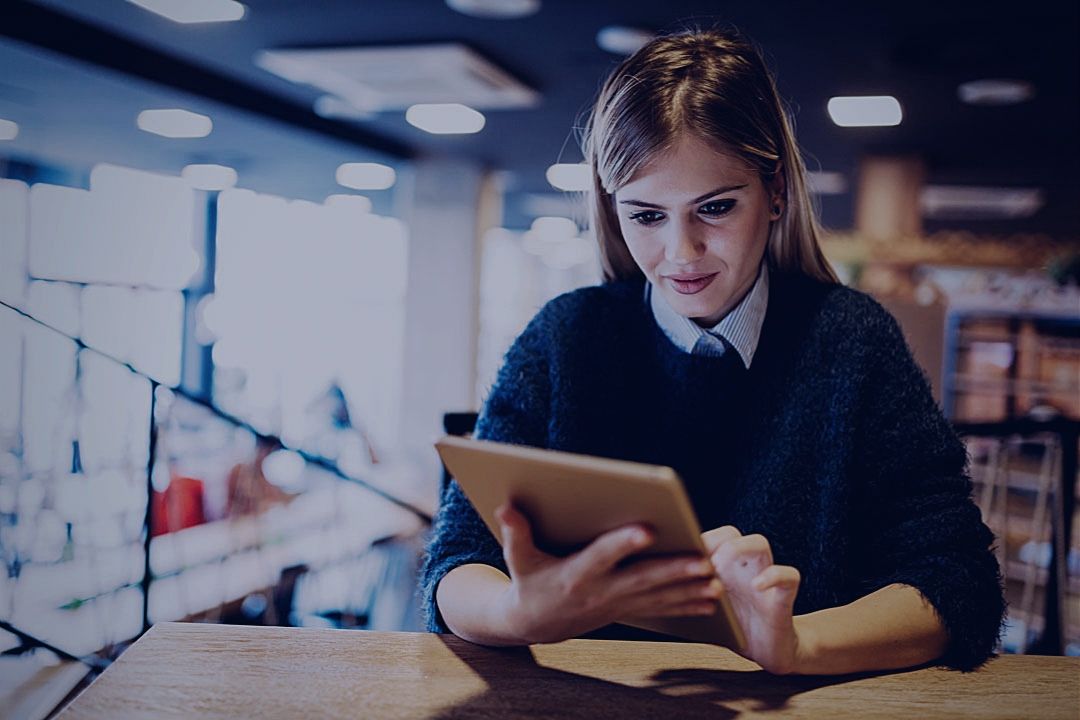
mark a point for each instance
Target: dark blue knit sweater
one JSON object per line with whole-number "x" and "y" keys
{"x": 830, "y": 445}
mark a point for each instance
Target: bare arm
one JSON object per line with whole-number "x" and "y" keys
{"x": 469, "y": 597}
{"x": 894, "y": 627}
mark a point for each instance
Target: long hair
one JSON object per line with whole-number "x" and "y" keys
{"x": 715, "y": 84}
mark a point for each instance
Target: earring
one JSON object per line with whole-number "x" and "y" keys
{"x": 776, "y": 209}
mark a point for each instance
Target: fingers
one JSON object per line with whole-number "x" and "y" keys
{"x": 611, "y": 548}
{"x": 691, "y": 609}
{"x": 780, "y": 585}
{"x": 519, "y": 550}
{"x": 645, "y": 575}
{"x": 784, "y": 577}
{"x": 743, "y": 558}
{"x": 713, "y": 539}
{"x": 674, "y": 599}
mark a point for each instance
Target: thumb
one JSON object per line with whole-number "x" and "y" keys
{"x": 519, "y": 549}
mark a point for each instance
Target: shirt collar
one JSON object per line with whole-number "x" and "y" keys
{"x": 741, "y": 327}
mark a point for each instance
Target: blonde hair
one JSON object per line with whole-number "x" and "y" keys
{"x": 713, "y": 83}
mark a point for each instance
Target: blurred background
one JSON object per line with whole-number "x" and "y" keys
{"x": 253, "y": 254}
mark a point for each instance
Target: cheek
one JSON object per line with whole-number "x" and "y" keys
{"x": 645, "y": 252}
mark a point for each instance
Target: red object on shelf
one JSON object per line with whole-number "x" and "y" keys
{"x": 179, "y": 507}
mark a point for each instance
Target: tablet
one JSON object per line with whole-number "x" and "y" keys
{"x": 571, "y": 499}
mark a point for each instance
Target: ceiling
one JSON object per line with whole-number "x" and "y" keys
{"x": 111, "y": 55}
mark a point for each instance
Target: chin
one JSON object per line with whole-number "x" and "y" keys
{"x": 692, "y": 307}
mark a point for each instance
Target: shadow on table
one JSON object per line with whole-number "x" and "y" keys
{"x": 519, "y": 686}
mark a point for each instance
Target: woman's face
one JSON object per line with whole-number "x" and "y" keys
{"x": 696, "y": 222}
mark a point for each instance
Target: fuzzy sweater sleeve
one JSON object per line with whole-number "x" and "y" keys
{"x": 919, "y": 525}
{"x": 515, "y": 412}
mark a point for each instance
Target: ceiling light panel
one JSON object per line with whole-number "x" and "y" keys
{"x": 194, "y": 11}
{"x": 865, "y": 111}
{"x": 995, "y": 92}
{"x": 961, "y": 202}
{"x": 497, "y": 9}
{"x": 366, "y": 176}
{"x": 445, "y": 118}
{"x": 175, "y": 123}
{"x": 373, "y": 79}
{"x": 8, "y": 130}
{"x": 620, "y": 40}
{"x": 572, "y": 177}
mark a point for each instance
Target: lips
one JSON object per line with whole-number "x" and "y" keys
{"x": 690, "y": 283}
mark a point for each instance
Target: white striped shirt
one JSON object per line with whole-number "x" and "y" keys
{"x": 741, "y": 327}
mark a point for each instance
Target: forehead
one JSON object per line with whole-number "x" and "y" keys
{"x": 690, "y": 167}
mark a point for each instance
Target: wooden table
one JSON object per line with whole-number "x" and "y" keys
{"x": 217, "y": 671}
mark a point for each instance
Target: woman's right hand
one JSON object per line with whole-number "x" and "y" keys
{"x": 551, "y": 599}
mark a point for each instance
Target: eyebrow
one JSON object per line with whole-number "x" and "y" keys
{"x": 699, "y": 198}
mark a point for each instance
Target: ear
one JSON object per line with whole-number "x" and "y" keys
{"x": 778, "y": 183}
{"x": 777, "y": 187}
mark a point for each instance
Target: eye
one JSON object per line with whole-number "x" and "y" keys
{"x": 646, "y": 217}
{"x": 716, "y": 208}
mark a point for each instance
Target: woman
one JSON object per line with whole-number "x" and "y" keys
{"x": 722, "y": 345}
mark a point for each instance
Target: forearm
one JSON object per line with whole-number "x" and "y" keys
{"x": 891, "y": 628}
{"x": 470, "y": 599}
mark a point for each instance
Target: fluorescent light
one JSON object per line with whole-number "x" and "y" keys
{"x": 365, "y": 176}
{"x": 865, "y": 111}
{"x": 175, "y": 123}
{"x": 359, "y": 203}
{"x": 445, "y": 118}
{"x": 335, "y": 108}
{"x": 194, "y": 11}
{"x": 8, "y": 129}
{"x": 826, "y": 183}
{"x": 572, "y": 177}
{"x": 620, "y": 40}
{"x": 209, "y": 176}
{"x": 961, "y": 202}
{"x": 995, "y": 92}
{"x": 499, "y": 9}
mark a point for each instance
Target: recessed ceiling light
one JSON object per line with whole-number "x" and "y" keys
{"x": 445, "y": 118}
{"x": 366, "y": 176}
{"x": 175, "y": 123}
{"x": 209, "y": 176}
{"x": 8, "y": 129}
{"x": 194, "y": 11}
{"x": 826, "y": 183}
{"x": 621, "y": 40}
{"x": 500, "y": 9}
{"x": 865, "y": 111}
{"x": 996, "y": 92}
{"x": 572, "y": 177}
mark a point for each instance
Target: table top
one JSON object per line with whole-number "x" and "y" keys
{"x": 217, "y": 671}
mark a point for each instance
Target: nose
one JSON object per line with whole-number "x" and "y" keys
{"x": 684, "y": 244}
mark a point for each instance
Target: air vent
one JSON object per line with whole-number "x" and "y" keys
{"x": 373, "y": 79}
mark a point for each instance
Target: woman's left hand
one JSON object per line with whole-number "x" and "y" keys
{"x": 762, "y": 595}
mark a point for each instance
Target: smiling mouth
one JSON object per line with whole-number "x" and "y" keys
{"x": 690, "y": 284}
